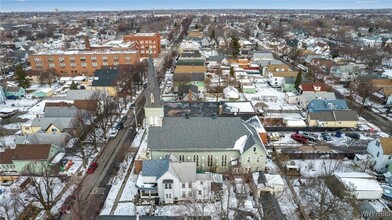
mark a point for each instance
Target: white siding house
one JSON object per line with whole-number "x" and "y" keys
{"x": 381, "y": 151}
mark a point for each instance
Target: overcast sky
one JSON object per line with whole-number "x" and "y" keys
{"x": 91, "y": 5}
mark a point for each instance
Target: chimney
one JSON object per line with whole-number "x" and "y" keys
{"x": 87, "y": 43}
{"x": 190, "y": 95}
{"x": 220, "y": 111}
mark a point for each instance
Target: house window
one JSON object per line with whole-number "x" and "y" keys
{"x": 105, "y": 63}
{"x": 196, "y": 159}
{"x": 54, "y": 130}
{"x": 182, "y": 159}
{"x": 377, "y": 143}
{"x": 189, "y": 193}
{"x": 62, "y": 65}
{"x": 257, "y": 159}
{"x": 236, "y": 170}
{"x": 209, "y": 160}
{"x": 104, "y": 58}
{"x": 183, "y": 194}
{"x": 93, "y": 58}
{"x": 168, "y": 186}
{"x": 378, "y": 154}
{"x": 94, "y": 64}
{"x": 37, "y": 59}
{"x": 51, "y": 65}
{"x": 201, "y": 182}
{"x": 115, "y": 58}
{"x": 72, "y": 58}
{"x": 127, "y": 58}
{"x": 190, "y": 184}
{"x": 83, "y": 64}
{"x": 61, "y": 59}
{"x": 248, "y": 159}
{"x": 73, "y": 65}
{"x": 116, "y": 63}
{"x": 200, "y": 192}
{"x": 83, "y": 59}
{"x": 254, "y": 149}
{"x": 386, "y": 166}
{"x": 224, "y": 160}
{"x": 183, "y": 185}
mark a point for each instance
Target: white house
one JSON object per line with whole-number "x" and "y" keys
{"x": 360, "y": 185}
{"x": 381, "y": 151}
{"x": 271, "y": 183}
{"x": 292, "y": 97}
{"x": 231, "y": 92}
{"x": 170, "y": 180}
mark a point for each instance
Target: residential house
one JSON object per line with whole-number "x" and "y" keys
{"x": 170, "y": 180}
{"x": 47, "y": 92}
{"x": 194, "y": 75}
{"x": 306, "y": 98}
{"x": 387, "y": 61}
{"x": 14, "y": 91}
{"x": 263, "y": 182}
{"x": 231, "y": 93}
{"x": 188, "y": 93}
{"x": 360, "y": 185}
{"x": 37, "y": 156}
{"x": 216, "y": 62}
{"x": 106, "y": 80}
{"x": 335, "y": 119}
{"x": 83, "y": 99}
{"x": 292, "y": 97}
{"x": 288, "y": 84}
{"x": 2, "y": 95}
{"x": 276, "y": 74}
{"x": 312, "y": 88}
{"x": 55, "y": 120}
{"x": 319, "y": 105}
{"x": 381, "y": 151}
{"x": 262, "y": 55}
{"x": 380, "y": 89}
{"x": 345, "y": 72}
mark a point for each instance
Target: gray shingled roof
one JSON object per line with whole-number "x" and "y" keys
{"x": 60, "y": 112}
{"x": 348, "y": 115}
{"x": 155, "y": 167}
{"x": 58, "y": 139}
{"x": 343, "y": 115}
{"x": 60, "y": 123}
{"x": 80, "y": 94}
{"x": 200, "y": 133}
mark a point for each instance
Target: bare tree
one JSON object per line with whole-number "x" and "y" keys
{"x": 322, "y": 203}
{"x": 13, "y": 205}
{"x": 43, "y": 185}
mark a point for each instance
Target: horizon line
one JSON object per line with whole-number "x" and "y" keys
{"x": 201, "y": 9}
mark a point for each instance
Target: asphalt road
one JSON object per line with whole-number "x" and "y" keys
{"x": 92, "y": 186}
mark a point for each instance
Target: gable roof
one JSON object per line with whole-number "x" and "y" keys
{"x": 32, "y": 151}
{"x": 155, "y": 167}
{"x": 58, "y": 139}
{"x": 199, "y": 133}
{"x": 80, "y": 94}
{"x": 60, "y": 112}
{"x": 327, "y": 105}
{"x": 342, "y": 115}
{"x": 60, "y": 123}
{"x": 13, "y": 88}
{"x": 386, "y": 144}
{"x": 6, "y": 156}
{"x": 312, "y": 86}
{"x": 190, "y": 69}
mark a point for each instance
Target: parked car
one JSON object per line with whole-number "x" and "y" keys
{"x": 274, "y": 136}
{"x": 300, "y": 138}
{"x": 326, "y": 136}
{"x": 119, "y": 126}
{"x": 66, "y": 207}
{"x": 309, "y": 136}
{"x": 92, "y": 167}
{"x": 353, "y": 135}
{"x": 7, "y": 183}
{"x": 14, "y": 97}
{"x": 113, "y": 133}
{"x": 124, "y": 118}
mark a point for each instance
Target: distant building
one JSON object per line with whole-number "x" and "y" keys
{"x": 73, "y": 63}
{"x": 381, "y": 151}
{"x": 145, "y": 42}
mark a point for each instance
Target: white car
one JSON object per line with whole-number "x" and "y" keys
{"x": 113, "y": 133}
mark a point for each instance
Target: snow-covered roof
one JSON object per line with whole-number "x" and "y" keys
{"x": 362, "y": 184}
{"x": 353, "y": 175}
{"x": 58, "y": 157}
{"x": 273, "y": 179}
{"x": 240, "y": 143}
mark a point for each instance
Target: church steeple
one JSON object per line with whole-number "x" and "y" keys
{"x": 153, "y": 93}
{"x": 153, "y": 108}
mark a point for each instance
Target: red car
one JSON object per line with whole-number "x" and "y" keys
{"x": 66, "y": 207}
{"x": 92, "y": 167}
{"x": 300, "y": 138}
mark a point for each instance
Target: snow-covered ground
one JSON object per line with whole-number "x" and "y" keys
{"x": 129, "y": 190}
{"x": 322, "y": 167}
{"x": 8, "y": 141}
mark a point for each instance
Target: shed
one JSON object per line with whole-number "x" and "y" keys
{"x": 361, "y": 185}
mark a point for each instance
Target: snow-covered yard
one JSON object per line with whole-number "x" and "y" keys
{"x": 322, "y": 167}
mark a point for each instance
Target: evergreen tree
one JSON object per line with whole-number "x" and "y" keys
{"x": 73, "y": 86}
{"x": 235, "y": 45}
{"x": 212, "y": 35}
{"x": 298, "y": 80}
{"x": 21, "y": 77}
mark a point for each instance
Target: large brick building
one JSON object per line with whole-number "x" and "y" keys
{"x": 74, "y": 63}
{"x": 144, "y": 42}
